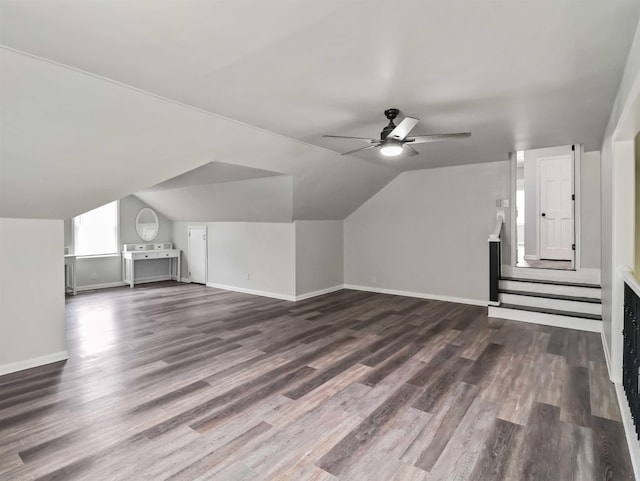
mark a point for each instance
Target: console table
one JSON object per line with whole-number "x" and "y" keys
{"x": 146, "y": 252}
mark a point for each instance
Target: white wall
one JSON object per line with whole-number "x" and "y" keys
{"x": 590, "y": 200}
{"x": 101, "y": 271}
{"x": 319, "y": 255}
{"x": 618, "y": 202}
{"x": 426, "y": 232}
{"x": 251, "y": 256}
{"x": 618, "y": 212}
{"x": 32, "y": 313}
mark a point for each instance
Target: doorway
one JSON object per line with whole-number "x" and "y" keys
{"x": 197, "y": 254}
{"x": 545, "y": 208}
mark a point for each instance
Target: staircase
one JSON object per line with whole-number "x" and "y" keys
{"x": 570, "y": 299}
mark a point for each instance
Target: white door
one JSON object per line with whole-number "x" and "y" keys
{"x": 556, "y": 207}
{"x": 197, "y": 254}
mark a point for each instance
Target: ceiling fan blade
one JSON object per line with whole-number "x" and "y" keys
{"x": 361, "y": 148}
{"x": 356, "y": 138}
{"x": 403, "y": 129}
{"x": 410, "y": 150}
{"x": 422, "y": 139}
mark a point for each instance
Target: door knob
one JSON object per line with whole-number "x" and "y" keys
{"x": 544, "y": 215}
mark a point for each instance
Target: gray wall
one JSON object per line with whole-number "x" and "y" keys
{"x": 32, "y": 315}
{"x": 590, "y": 210}
{"x": 319, "y": 255}
{"x": 258, "y": 256}
{"x": 108, "y": 270}
{"x": 427, "y": 230}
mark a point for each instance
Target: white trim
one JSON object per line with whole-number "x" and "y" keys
{"x": 513, "y": 238}
{"x": 273, "y": 295}
{"x": 106, "y": 285}
{"x": 629, "y": 429}
{"x": 185, "y": 279}
{"x": 33, "y": 362}
{"x": 545, "y": 319}
{"x": 577, "y": 193}
{"x": 321, "y": 292}
{"x": 530, "y": 257}
{"x": 420, "y": 295}
{"x": 607, "y": 356}
{"x": 627, "y": 276}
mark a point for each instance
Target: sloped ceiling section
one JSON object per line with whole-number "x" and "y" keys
{"x": 265, "y": 199}
{"x": 70, "y": 142}
{"x": 517, "y": 74}
{"x": 213, "y": 173}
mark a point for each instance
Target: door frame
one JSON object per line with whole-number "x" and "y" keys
{"x": 206, "y": 251}
{"x": 577, "y": 158}
{"x": 573, "y": 206}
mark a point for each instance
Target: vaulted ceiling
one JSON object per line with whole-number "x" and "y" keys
{"x": 256, "y": 84}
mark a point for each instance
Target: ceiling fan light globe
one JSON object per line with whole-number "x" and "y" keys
{"x": 392, "y": 150}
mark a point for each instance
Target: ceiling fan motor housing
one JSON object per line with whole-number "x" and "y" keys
{"x": 391, "y": 114}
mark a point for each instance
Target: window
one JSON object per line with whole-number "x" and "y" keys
{"x": 95, "y": 233}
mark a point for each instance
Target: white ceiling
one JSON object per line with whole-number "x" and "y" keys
{"x": 517, "y": 74}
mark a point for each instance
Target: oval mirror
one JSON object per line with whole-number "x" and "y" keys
{"x": 147, "y": 224}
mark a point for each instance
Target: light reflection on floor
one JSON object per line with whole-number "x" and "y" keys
{"x": 96, "y": 330}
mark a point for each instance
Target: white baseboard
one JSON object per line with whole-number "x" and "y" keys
{"x": 629, "y": 429}
{"x": 554, "y": 320}
{"x": 321, "y": 292}
{"x": 273, "y": 295}
{"x": 106, "y": 285}
{"x": 33, "y": 362}
{"x": 530, "y": 257}
{"x": 420, "y": 295}
{"x": 607, "y": 357}
{"x": 185, "y": 279}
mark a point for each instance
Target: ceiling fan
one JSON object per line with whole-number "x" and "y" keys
{"x": 393, "y": 138}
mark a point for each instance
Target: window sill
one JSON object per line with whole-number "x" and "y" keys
{"x": 101, "y": 256}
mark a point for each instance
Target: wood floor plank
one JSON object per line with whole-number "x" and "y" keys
{"x": 182, "y": 382}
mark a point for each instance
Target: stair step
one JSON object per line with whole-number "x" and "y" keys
{"x": 556, "y": 312}
{"x": 563, "y": 319}
{"x": 554, "y": 289}
{"x": 546, "y": 281}
{"x": 546, "y": 295}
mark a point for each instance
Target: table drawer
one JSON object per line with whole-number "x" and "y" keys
{"x": 145, "y": 255}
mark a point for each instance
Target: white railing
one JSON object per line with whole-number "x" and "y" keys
{"x": 495, "y": 237}
{"x": 627, "y": 276}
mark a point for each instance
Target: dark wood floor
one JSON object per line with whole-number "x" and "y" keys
{"x": 183, "y": 382}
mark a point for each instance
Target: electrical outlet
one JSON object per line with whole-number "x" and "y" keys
{"x": 94, "y": 276}
{"x": 374, "y": 280}
{"x": 248, "y": 276}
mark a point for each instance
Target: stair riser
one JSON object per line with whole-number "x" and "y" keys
{"x": 561, "y": 305}
{"x": 587, "y": 276}
{"x": 546, "y": 319}
{"x": 551, "y": 289}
